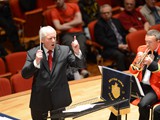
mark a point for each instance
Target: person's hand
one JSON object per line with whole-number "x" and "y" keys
{"x": 75, "y": 46}
{"x": 39, "y": 56}
{"x": 148, "y": 59}
{"x": 147, "y": 26}
{"x": 123, "y": 47}
{"x": 132, "y": 29}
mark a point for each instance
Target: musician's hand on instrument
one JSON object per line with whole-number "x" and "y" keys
{"x": 139, "y": 56}
{"x": 148, "y": 60}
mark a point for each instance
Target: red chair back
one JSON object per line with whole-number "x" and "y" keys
{"x": 15, "y": 9}
{"x": 15, "y": 61}
{"x": 20, "y": 84}
{"x": 91, "y": 29}
{"x": 5, "y": 87}
{"x": 156, "y": 27}
{"x": 135, "y": 39}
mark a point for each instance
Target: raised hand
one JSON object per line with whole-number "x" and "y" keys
{"x": 75, "y": 46}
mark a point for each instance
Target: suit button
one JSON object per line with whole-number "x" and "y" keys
{"x": 51, "y": 90}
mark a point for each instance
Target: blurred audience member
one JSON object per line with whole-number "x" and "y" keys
{"x": 131, "y": 19}
{"x": 3, "y": 52}
{"x": 27, "y": 5}
{"x": 151, "y": 12}
{"x": 90, "y": 11}
{"x": 7, "y": 23}
{"x": 111, "y": 35}
{"x": 68, "y": 19}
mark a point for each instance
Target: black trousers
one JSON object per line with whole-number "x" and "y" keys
{"x": 118, "y": 56}
{"x": 42, "y": 115}
{"x": 145, "y": 104}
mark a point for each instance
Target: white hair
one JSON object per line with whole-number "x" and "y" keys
{"x": 44, "y": 30}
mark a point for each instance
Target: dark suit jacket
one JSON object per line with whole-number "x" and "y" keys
{"x": 104, "y": 34}
{"x": 50, "y": 90}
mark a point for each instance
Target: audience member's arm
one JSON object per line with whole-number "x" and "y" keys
{"x": 77, "y": 20}
{"x": 132, "y": 29}
{"x": 146, "y": 26}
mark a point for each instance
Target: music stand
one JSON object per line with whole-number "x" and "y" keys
{"x": 98, "y": 106}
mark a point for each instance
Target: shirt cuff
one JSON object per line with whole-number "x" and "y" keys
{"x": 35, "y": 64}
{"x": 79, "y": 55}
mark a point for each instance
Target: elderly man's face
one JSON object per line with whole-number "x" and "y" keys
{"x": 106, "y": 13}
{"x": 151, "y": 42}
{"x": 129, "y": 5}
{"x": 150, "y": 3}
{"x": 50, "y": 40}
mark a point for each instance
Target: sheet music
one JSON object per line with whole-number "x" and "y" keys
{"x": 82, "y": 108}
{"x": 5, "y": 118}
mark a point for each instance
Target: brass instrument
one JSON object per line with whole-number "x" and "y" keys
{"x": 138, "y": 65}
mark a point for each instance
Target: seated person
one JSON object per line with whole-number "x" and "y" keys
{"x": 131, "y": 19}
{"x": 27, "y": 5}
{"x": 7, "y": 23}
{"x": 90, "y": 11}
{"x": 3, "y": 52}
{"x": 148, "y": 73}
{"x": 111, "y": 35}
{"x": 67, "y": 19}
{"x": 151, "y": 12}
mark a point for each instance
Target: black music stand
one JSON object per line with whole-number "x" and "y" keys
{"x": 74, "y": 115}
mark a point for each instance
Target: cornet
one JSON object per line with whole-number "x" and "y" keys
{"x": 138, "y": 65}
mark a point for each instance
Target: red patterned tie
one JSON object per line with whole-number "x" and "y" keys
{"x": 50, "y": 59}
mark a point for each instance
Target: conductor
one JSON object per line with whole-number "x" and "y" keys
{"x": 47, "y": 65}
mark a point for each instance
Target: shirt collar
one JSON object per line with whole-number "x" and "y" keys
{"x": 46, "y": 50}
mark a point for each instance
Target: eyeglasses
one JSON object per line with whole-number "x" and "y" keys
{"x": 131, "y": 4}
{"x": 106, "y": 12}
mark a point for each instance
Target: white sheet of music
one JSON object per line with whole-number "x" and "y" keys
{"x": 5, "y": 118}
{"x": 82, "y": 108}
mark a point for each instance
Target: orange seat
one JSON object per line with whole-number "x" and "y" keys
{"x": 156, "y": 27}
{"x": 5, "y": 87}
{"x": 91, "y": 31}
{"x": 15, "y": 61}
{"x": 92, "y": 44}
{"x": 20, "y": 84}
{"x": 96, "y": 48}
{"x": 135, "y": 39}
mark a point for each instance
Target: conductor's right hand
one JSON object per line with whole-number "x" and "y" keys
{"x": 39, "y": 56}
